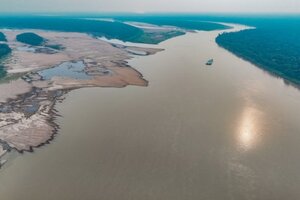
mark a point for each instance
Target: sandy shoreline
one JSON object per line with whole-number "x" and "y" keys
{"x": 27, "y": 111}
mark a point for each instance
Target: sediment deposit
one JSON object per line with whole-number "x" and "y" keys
{"x": 27, "y": 99}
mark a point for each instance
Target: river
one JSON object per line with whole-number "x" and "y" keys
{"x": 229, "y": 131}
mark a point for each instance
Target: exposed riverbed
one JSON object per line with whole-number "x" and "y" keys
{"x": 229, "y": 131}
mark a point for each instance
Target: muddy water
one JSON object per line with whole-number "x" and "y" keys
{"x": 229, "y": 131}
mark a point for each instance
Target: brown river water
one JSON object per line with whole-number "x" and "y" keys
{"x": 229, "y": 131}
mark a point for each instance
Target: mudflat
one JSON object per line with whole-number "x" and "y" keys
{"x": 30, "y": 91}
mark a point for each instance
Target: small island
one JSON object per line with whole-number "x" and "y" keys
{"x": 31, "y": 39}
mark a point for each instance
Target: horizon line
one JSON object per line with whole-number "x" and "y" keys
{"x": 147, "y": 13}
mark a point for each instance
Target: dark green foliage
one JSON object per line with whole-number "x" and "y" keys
{"x": 2, "y": 72}
{"x": 275, "y": 50}
{"x": 36, "y": 40}
{"x": 2, "y": 37}
{"x": 110, "y": 30}
{"x": 31, "y": 39}
{"x": 4, "y": 50}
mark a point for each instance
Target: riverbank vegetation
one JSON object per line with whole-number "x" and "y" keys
{"x": 111, "y": 30}
{"x": 115, "y": 29}
{"x": 4, "y": 51}
{"x": 278, "y": 52}
{"x": 31, "y": 39}
{"x": 2, "y": 37}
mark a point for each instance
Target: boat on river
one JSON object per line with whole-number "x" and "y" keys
{"x": 210, "y": 62}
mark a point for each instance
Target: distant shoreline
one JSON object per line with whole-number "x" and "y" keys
{"x": 247, "y": 46}
{"x": 278, "y": 74}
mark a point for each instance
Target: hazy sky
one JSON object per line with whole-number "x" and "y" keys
{"x": 150, "y": 5}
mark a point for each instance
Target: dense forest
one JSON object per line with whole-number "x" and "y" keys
{"x": 31, "y": 39}
{"x": 4, "y": 51}
{"x": 109, "y": 29}
{"x": 275, "y": 50}
{"x": 116, "y": 30}
{"x": 2, "y": 37}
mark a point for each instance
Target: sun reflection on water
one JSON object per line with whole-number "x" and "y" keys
{"x": 249, "y": 128}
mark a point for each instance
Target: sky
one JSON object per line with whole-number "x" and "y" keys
{"x": 142, "y": 6}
